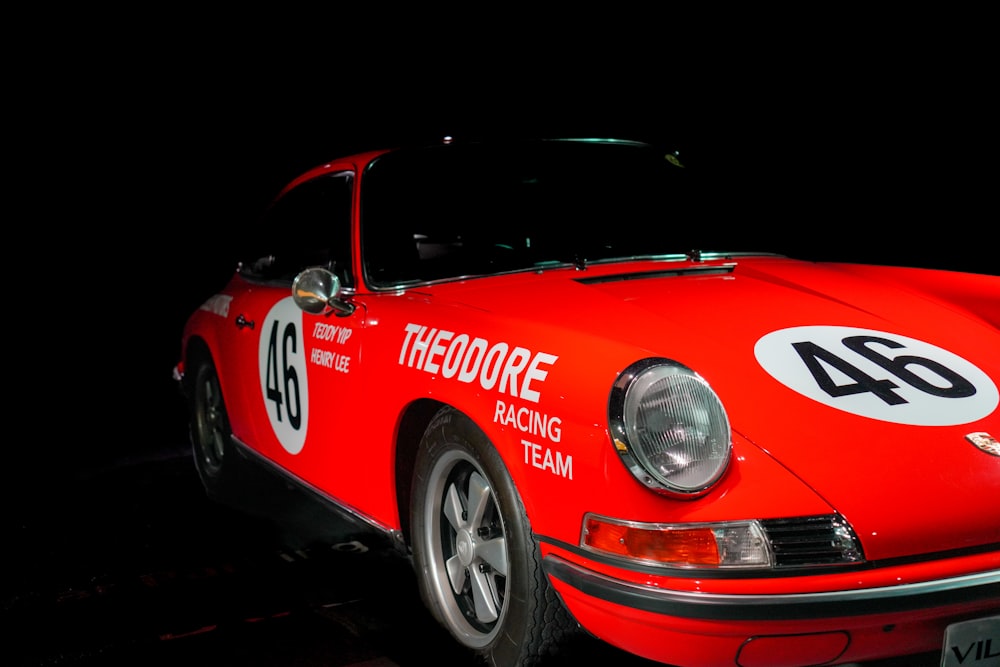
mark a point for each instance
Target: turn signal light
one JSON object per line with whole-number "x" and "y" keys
{"x": 729, "y": 544}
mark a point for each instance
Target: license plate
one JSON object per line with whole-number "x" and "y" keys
{"x": 974, "y": 643}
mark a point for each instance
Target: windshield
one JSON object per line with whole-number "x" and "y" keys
{"x": 460, "y": 210}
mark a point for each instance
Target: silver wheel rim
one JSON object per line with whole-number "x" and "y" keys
{"x": 467, "y": 549}
{"x": 211, "y": 425}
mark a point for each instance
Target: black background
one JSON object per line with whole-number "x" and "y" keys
{"x": 152, "y": 140}
{"x": 141, "y": 140}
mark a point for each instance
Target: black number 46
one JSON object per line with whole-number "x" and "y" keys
{"x": 899, "y": 366}
{"x": 281, "y": 375}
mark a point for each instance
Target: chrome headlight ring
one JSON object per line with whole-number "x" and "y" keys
{"x": 669, "y": 427}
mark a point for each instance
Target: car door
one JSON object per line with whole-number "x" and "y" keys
{"x": 302, "y": 362}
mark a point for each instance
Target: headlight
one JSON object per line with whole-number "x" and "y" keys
{"x": 669, "y": 427}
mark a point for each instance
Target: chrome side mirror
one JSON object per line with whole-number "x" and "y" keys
{"x": 317, "y": 290}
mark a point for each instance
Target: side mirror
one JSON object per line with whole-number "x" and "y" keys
{"x": 317, "y": 290}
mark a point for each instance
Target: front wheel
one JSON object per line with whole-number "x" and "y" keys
{"x": 478, "y": 566}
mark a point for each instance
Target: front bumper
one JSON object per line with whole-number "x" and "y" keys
{"x": 694, "y": 627}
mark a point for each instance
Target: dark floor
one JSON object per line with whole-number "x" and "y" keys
{"x": 131, "y": 564}
{"x": 127, "y": 562}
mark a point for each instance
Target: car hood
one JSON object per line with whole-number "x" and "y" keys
{"x": 867, "y": 391}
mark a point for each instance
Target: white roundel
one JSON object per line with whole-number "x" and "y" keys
{"x": 879, "y": 375}
{"x": 282, "y": 366}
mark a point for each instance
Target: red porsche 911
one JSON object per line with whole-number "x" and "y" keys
{"x": 543, "y": 373}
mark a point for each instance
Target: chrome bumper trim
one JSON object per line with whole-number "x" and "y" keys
{"x": 969, "y": 590}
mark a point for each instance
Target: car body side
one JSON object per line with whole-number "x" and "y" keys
{"x": 531, "y": 357}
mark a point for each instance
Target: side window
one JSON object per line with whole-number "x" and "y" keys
{"x": 308, "y": 226}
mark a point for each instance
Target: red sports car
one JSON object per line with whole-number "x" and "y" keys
{"x": 541, "y": 370}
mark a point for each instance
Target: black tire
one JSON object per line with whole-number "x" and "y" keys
{"x": 470, "y": 533}
{"x": 212, "y": 446}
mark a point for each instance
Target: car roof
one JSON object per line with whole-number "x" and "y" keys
{"x": 359, "y": 160}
